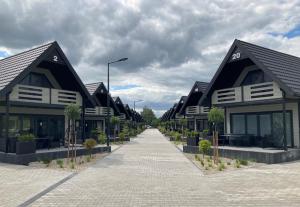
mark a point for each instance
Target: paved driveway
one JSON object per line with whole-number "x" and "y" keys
{"x": 150, "y": 171}
{"x": 20, "y": 183}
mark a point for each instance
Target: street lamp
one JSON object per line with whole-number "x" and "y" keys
{"x": 135, "y": 101}
{"x": 108, "y": 100}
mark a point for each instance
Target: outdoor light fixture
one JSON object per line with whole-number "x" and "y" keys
{"x": 136, "y": 101}
{"x": 108, "y": 101}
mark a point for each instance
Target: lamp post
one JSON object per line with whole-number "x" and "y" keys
{"x": 108, "y": 100}
{"x": 135, "y": 101}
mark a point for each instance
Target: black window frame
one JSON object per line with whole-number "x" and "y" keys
{"x": 258, "y": 122}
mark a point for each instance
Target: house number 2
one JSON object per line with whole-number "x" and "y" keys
{"x": 236, "y": 56}
{"x": 55, "y": 58}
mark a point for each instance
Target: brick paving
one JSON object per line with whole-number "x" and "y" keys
{"x": 20, "y": 183}
{"x": 150, "y": 171}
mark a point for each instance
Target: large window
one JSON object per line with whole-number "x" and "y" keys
{"x": 266, "y": 127}
{"x": 252, "y": 124}
{"x": 254, "y": 77}
{"x": 238, "y": 124}
{"x": 36, "y": 79}
{"x": 201, "y": 124}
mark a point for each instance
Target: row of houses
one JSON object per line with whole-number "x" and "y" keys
{"x": 259, "y": 91}
{"x": 37, "y": 85}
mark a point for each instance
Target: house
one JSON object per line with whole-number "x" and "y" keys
{"x": 175, "y": 115}
{"x": 124, "y": 115}
{"x": 96, "y": 116}
{"x": 194, "y": 113}
{"x": 133, "y": 117}
{"x": 259, "y": 90}
{"x": 35, "y": 87}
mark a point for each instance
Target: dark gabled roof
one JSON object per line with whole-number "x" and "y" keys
{"x": 194, "y": 96}
{"x": 178, "y": 106}
{"x": 283, "y": 68}
{"x": 98, "y": 91}
{"x": 14, "y": 68}
{"x": 121, "y": 106}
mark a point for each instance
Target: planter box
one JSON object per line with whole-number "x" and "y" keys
{"x": 191, "y": 141}
{"x": 25, "y": 147}
{"x": 11, "y": 142}
{"x": 2, "y": 144}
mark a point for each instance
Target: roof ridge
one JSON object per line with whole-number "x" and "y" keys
{"x": 50, "y": 43}
{"x": 93, "y": 83}
{"x": 202, "y": 82}
{"x": 268, "y": 48}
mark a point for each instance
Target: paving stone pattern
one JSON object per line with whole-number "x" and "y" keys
{"x": 19, "y": 183}
{"x": 150, "y": 171}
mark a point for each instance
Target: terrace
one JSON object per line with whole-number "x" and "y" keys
{"x": 248, "y": 93}
{"x": 34, "y": 94}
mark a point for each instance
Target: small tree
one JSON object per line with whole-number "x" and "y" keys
{"x": 204, "y": 147}
{"x": 101, "y": 137}
{"x": 122, "y": 137}
{"x": 125, "y": 130}
{"x": 115, "y": 121}
{"x": 215, "y": 116}
{"x": 172, "y": 124}
{"x": 89, "y": 144}
{"x": 72, "y": 112}
{"x": 183, "y": 123}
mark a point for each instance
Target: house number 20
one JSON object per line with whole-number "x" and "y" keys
{"x": 236, "y": 56}
{"x": 55, "y": 58}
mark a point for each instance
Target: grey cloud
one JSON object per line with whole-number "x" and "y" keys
{"x": 158, "y": 37}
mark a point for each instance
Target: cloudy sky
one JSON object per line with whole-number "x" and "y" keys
{"x": 170, "y": 44}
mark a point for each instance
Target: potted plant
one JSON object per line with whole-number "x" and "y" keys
{"x": 192, "y": 138}
{"x": 25, "y": 144}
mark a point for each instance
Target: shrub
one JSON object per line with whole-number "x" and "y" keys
{"x": 122, "y": 137}
{"x": 243, "y": 162}
{"x": 210, "y": 164}
{"x": 46, "y": 161}
{"x": 202, "y": 162}
{"x": 94, "y": 133}
{"x": 26, "y": 138}
{"x": 237, "y": 164}
{"x": 125, "y": 130}
{"x": 206, "y": 168}
{"x": 228, "y": 163}
{"x": 88, "y": 159}
{"x": 177, "y": 137}
{"x": 101, "y": 137}
{"x": 72, "y": 166}
{"x": 205, "y": 133}
{"x": 60, "y": 163}
{"x": 204, "y": 146}
{"x": 220, "y": 168}
{"x": 89, "y": 144}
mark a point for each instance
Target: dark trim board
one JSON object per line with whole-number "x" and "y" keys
{"x": 263, "y": 157}
{"x": 51, "y": 154}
